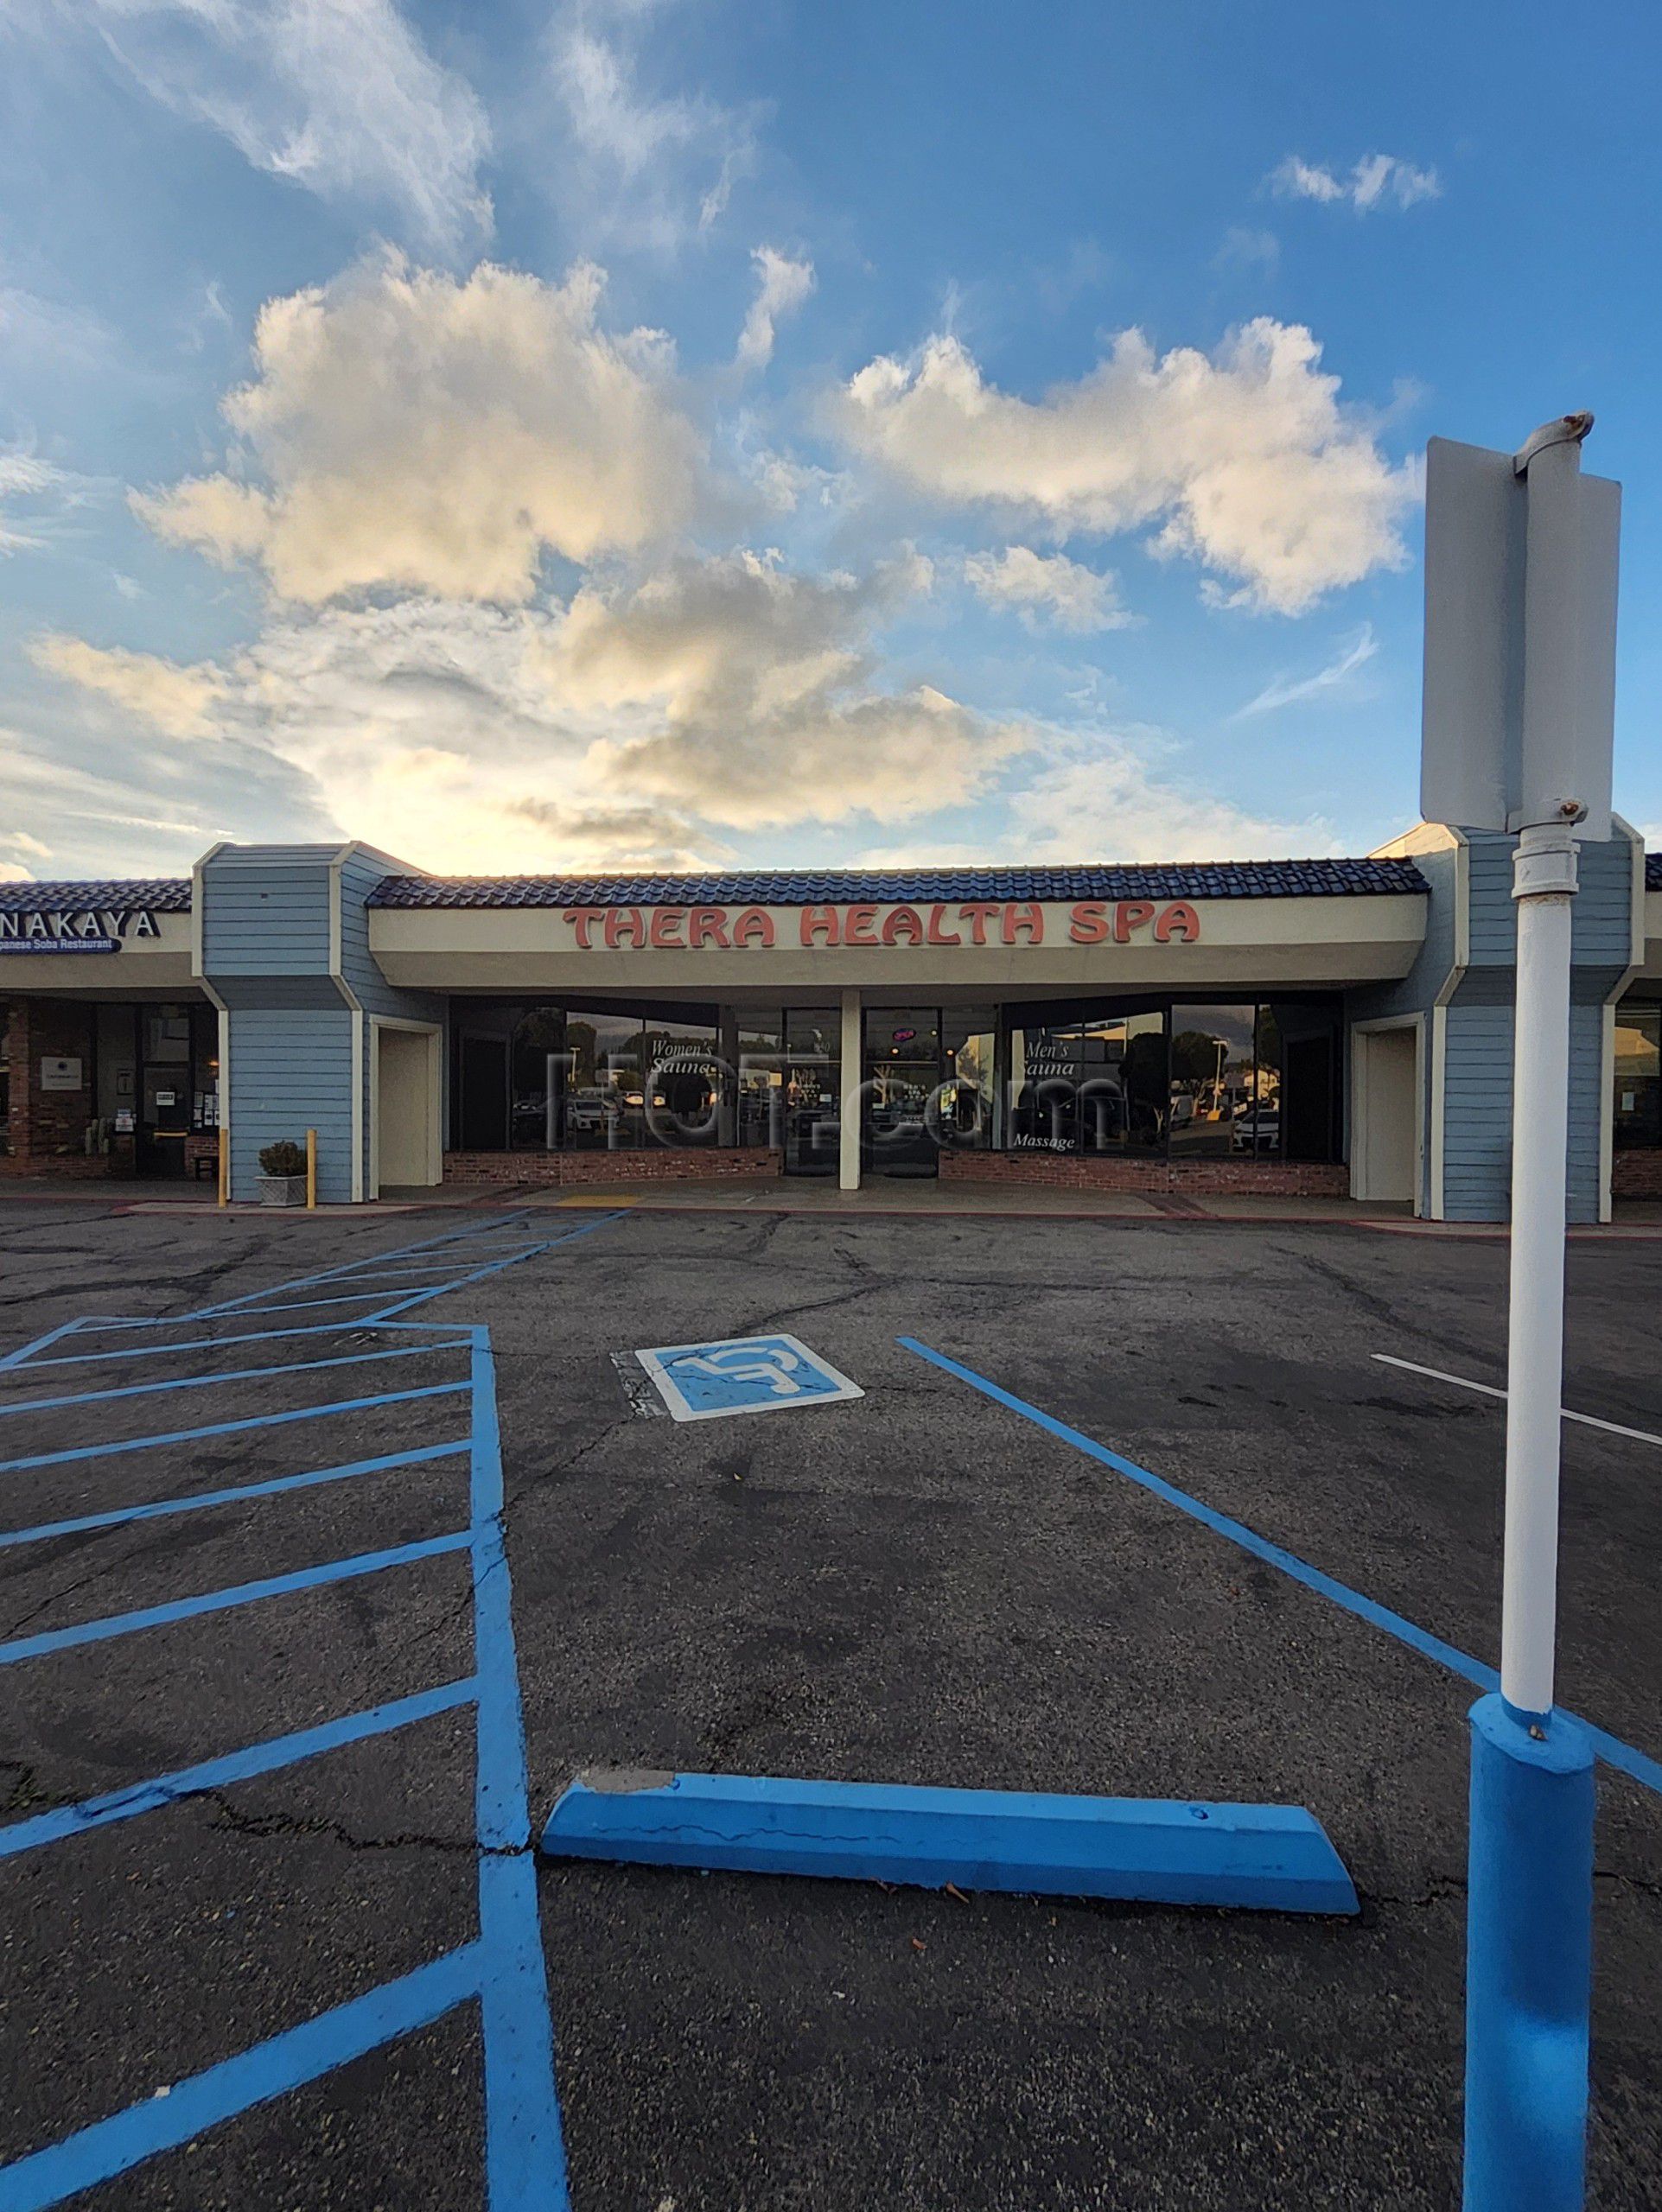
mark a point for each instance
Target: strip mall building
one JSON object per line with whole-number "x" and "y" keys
{"x": 1329, "y": 1027}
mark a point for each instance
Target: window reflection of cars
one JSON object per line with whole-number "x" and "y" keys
{"x": 1258, "y": 1129}
{"x": 586, "y": 1109}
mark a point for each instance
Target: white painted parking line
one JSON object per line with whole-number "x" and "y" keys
{"x": 1488, "y": 1389}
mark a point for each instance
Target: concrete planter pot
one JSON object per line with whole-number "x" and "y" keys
{"x": 281, "y": 1190}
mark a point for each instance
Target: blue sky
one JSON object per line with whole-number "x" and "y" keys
{"x": 650, "y": 432}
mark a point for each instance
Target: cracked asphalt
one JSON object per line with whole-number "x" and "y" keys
{"x": 918, "y": 1585}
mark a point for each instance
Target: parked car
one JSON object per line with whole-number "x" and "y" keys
{"x": 1260, "y": 1130}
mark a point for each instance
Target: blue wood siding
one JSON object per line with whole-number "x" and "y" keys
{"x": 291, "y": 1071}
{"x": 266, "y": 911}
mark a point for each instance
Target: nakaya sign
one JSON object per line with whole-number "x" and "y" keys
{"x": 74, "y": 929}
{"x": 976, "y": 922}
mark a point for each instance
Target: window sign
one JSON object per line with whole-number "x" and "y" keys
{"x": 61, "y": 1075}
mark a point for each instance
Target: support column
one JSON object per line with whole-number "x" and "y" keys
{"x": 848, "y": 1150}
{"x": 727, "y": 1051}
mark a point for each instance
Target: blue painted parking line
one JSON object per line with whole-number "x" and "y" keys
{"x": 270, "y": 2069}
{"x": 525, "y": 2155}
{"x": 230, "y": 1428}
{"x": 119, "y": 1516}
{"x": 199, "y": 1343}
{"x": 329, "y": 1274}
{"x": 504, "y": 1969}
{"x": 226, "y": 1375}
{"x": 240, "y": 1593}
{"x": 244, "y": 1765}
{"x": 1612, "y": 1749}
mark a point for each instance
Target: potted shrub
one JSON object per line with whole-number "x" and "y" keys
{"x": 282, "y": 1174}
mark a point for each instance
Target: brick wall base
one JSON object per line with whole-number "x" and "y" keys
{"x": 46, "y": 1128}
{"x": 1637, "y": 1174}
{"x": 1304, "y": 1179}
{"x": 663, "y": 1164}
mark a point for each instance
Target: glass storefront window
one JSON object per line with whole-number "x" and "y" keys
{"x": 900, "y": 1083}
{"x": 811, "y": 1078}
{"x": 536, "y": 1066}
{"x": 1298, "y": 1081}
{"x": 604, "y": 1098}
{"x": 680, "y": 1101}
{"x": 1044, "y": 1081}
{"x": 758, "y": 1109}
{"x": 1122, "y": 1095}
{"x": 1638, "y": 1075}
{"x": 963, "y": 1113}
{"x": 1213, "y": 1056}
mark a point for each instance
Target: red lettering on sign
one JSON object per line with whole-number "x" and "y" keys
{"x": 902, "y": 927}
{"x": 580, "y": 917}
{"x": 819, "y": 922}
{"x": 977, "y": 915}
{"x": 1088, "y": 923}
{"x": 1131, "y": 914}
{"x": 753, "y": 927}
{"x": 858, "y": 923}
{"x": 623, "y": 922}
{"x": 1027, "y": 915}
{"x": 1179, "y": 920}
{"x": 937, "y": 935}
{"x": 707, "y": 925}
{"x": 666, "y": 926}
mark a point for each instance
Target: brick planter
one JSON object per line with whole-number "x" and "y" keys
{"x": 693, "y": 1164}
{"x": 1303, "y": 1178}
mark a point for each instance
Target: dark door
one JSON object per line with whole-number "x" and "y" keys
{"x": 483, "y": 1093}
{"x": 811, "y": 1079}
{"x": 163, "y": 1088}
{"x": 899, "y": 1084}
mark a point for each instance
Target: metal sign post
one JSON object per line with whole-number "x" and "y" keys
{"x": 1520, "y": 576}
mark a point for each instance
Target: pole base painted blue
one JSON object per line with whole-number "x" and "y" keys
{"x": 1267, "y": 1858}
{"x": 1529, "y": 1962}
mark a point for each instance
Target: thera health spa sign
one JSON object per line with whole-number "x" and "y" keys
{"x": 974, "y": 922}
{"x": 74, "y": 929}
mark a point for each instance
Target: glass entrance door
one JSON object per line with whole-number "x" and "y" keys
{"x": 810, "y": 1080}
{"x": 164, "y": 1081}
{"x": 899, "y": 1082}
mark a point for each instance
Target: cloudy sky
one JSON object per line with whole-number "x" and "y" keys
{"x": 608, "y": 433}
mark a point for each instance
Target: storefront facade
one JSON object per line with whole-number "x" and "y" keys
{"x": 1324, "y": 1027}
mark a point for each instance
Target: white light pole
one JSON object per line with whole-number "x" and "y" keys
{"x": 1543, "y": 883}
{"x": 1520, "y": 581}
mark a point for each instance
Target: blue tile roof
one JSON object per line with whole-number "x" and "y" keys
{"x": 807, "y": 886}
{"x": 162, "y": 895}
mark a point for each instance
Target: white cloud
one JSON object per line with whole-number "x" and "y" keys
{"x": 1110, "y": 800}
{"x": 437, "y": 436}
{"x": 746, "y": 694}
{"x": 23, "y": 476}
{"x": 338, "y": 96}
{"x": 1377, "y": 180}
{"x": 781, "y": 286}
{"x": 1247, "y": 459}
{"x": 178, "y": 701}
{"x": 1046, "y": 589}
{"x": 1335, "y": 676}
{"x": 631, "y": 730}
{"x": 1247, "y": 250}
{"x": 37, "y": 498}
{"x": 635, "y": 167}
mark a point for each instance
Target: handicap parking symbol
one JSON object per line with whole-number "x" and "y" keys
{"x": 743, "y": 1374}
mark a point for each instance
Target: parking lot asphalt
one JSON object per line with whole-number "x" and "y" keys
{"x": 922, "y": 1585}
